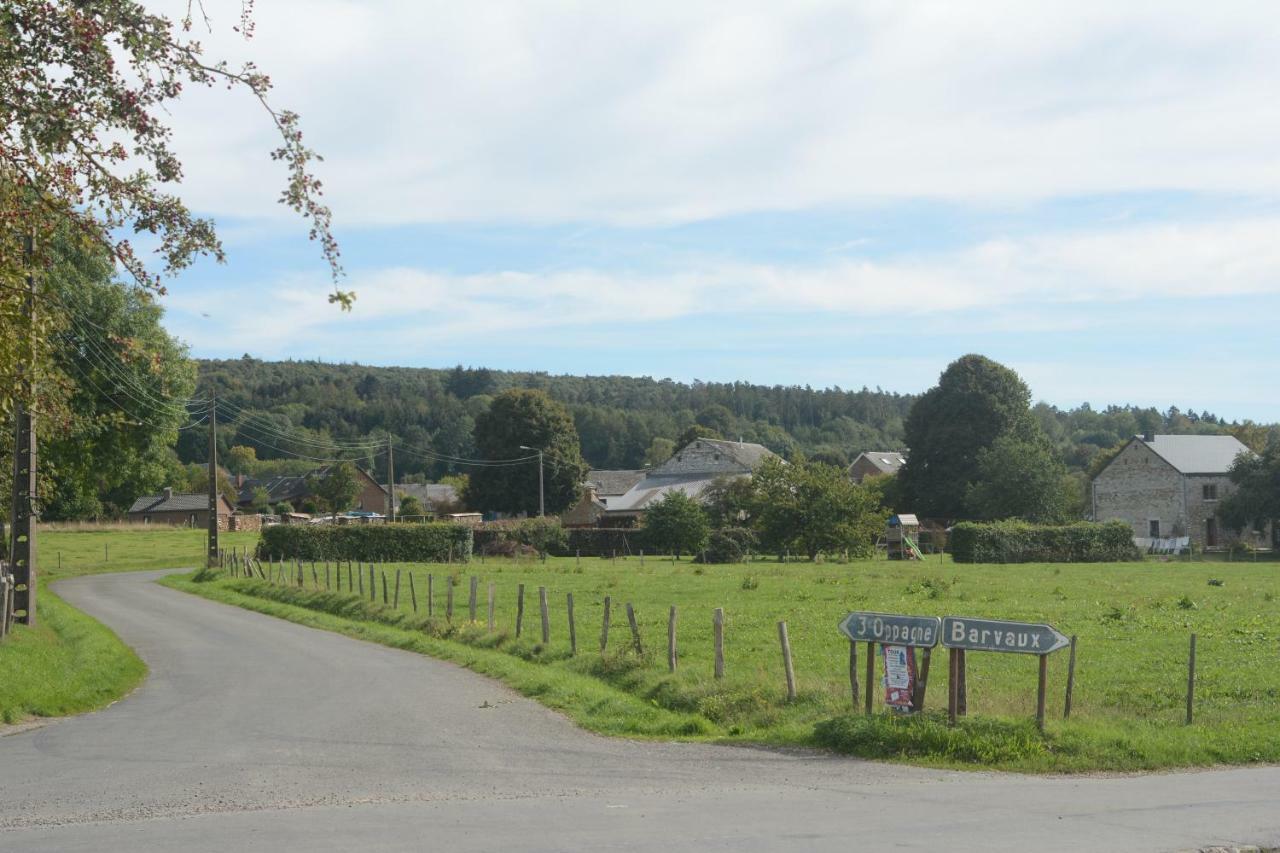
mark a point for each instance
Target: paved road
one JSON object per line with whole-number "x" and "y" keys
{"x": 257, "y": 734}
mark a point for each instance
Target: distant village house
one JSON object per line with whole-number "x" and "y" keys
{"x": 179, "y": 510}
{"x": 876, "y": 463}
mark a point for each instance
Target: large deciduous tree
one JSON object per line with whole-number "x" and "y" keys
{"x": 975, "y": 402}
{"x": 529, "y": 418}
{"x": 1017, "y": 478}
{"x": 338, "y": 488}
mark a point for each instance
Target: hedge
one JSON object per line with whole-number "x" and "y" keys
{"x": 544, "y": 535}
{"x": 604, "y": 541}
{"x": 410, "y": 543}
{"x": 1020, "y": 542}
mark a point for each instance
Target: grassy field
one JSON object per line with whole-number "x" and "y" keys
{"x": 1133, "y": 623}
{"x": 70, "y": 663}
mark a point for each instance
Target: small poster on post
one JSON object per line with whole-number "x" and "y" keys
{"x": 899, "y": 677}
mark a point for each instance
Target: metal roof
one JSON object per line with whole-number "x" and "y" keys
{"x": 1197, "y": 454}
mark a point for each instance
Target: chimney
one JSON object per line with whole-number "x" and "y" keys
{"x": 239, "y": 481}
{"x": 168, "y": 493}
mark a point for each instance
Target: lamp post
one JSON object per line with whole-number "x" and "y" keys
{"x": 542, "y": 492}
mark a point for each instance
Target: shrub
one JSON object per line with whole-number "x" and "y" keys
{"x": 676, "y": 524}
{"x": 543, "y": 535}
{"x": 728, "y": 545}
{"x": 1021, "y": 542}
{"x": 417, "y": 543}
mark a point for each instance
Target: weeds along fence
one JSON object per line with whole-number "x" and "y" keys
{"x": 495, "y": 609}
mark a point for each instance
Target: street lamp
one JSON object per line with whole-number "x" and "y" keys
{"x": 542, "y": 492}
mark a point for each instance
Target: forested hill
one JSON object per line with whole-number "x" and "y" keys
{"x": 623, "y": 422}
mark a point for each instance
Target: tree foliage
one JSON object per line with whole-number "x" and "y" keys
{"x": 337, "y": 489}
{"x": 812, "y": 508}
{"x": 528, "y": 418}
{"x": 1018, "y": 478}
{"x": 84, "y": 94}
{"x": 1256, "y": 499}
{"x": 676, "y": 524}
{"x": 975, "y": 402}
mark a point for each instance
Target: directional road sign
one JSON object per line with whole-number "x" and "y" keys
{"x": 992, "y": 635}
{"x": 920, "y": 631}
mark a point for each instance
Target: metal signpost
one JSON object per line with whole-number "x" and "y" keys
{"x": 890, "y": 629}
{"x": 962, "y": 634}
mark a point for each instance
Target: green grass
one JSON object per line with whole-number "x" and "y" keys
{"x": 1133, "y": 621}
{"x": 67, "y": 664}
{"x": 70, "y": 663}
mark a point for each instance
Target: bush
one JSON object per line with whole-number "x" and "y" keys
{"x": 543, "y": 535}
{"x": 676, "y": 524}
{"x": 415, "y": 543}
{"x": 728, "y": 545}
{"x": 1021, "y": 542}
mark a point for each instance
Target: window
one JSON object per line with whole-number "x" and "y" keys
{"x": 1155, "y": 528}
{"x": 1209, "y": 491}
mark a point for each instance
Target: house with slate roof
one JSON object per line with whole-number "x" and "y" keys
{"x": 600, "y": 487}
{"x": 876, "y": 463}
{"x": 691, "y": 470}
{"x": 434, "y": 497}
{"x": 295, "y": 490}
{"x": 179, "y": 510}
{"x": 1168, "y": 487}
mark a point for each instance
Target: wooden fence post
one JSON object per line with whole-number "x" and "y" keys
{"x": 1040, "y": 691}
{"x": 471, "y": 602}
{"x": 413, "y": 593}
{"x": 604, "y": 626}
{"x": 519, "y": 609}
{"x": 573, "y": 627}
{"x": 717, "y": 629}
{"x": 853, "y": 671}
{"x": 492, "y": 594}
{"x": 962, "y": 683}
{"x": 395, "y": 601}
{"x": 952, "y": 677}
{"x": 315, "y": 579}
{"x": 1071, "y": 679}
{"x": 431, "y": 594}
{"x": 922, "y": 682}
{"x": 384, "y": 586}
{"x": 635, "y": 629}
{"x": 546, "y": 614}
{"x": 871, "y": 675}
{"x": 786, "y": 661}
{"x": 373, "y": 593}
{"x": 360, "y": 578}
{"x": 448, "y": 598}
{"x": 671, "y": 640}
{"x": 1191, "y": 681}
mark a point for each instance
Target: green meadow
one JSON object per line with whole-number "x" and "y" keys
{"x": 1133, "y": 622}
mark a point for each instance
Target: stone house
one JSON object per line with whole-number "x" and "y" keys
{"x": 179, "y": 510}
{"x": 600, "y": 487}
{"x": 1168, "y": 487}
{"x": 876, "y": 463}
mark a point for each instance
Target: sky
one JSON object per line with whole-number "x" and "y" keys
{"x": 829, "y": 194}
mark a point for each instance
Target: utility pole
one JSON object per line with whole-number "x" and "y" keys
{"x": 22, "y": 550}
{"x": 391, "y": 481}
{"x": 213, "y": 484}
{"x": 542, "y": 492}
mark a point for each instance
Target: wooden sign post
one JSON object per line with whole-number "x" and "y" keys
{"x": 888, "y": 629}
{"x": 962, "y": 634}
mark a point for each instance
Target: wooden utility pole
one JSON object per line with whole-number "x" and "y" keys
{"x": 212, "y": 560}
{"x": 391, "y": 481}
{"x": 22, "y": 549}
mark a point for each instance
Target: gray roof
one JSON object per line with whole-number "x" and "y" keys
{"x": 1197, "y": 454}
{"x": 651, "y": 489}
{"x": 743, "y": 452}
{"x": 886, "y": 461}
{"x": 611, "y": 483}
{"x": 174, "y": 503}
{"x": 428, "y": 494}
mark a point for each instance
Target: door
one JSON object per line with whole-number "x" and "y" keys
{"x": 1211, "y": 533}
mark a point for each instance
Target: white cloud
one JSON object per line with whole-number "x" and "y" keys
{"x": 674, "y": 111}
{"x": 999, "y": 285}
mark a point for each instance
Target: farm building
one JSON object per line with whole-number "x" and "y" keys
{"x": 179, "y": 510}
{"x": 296, "y": 490}
{"x": 1167, "y": 487}
{"x": 691, "y": 470}
{"x": 434, "y": 497}
{"x": 876, "y": 463}
{"x": 600, "y": 487}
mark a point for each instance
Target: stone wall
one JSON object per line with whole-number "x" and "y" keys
{"x": 700, "y": 458}
{"x": 1139, "y": 487}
